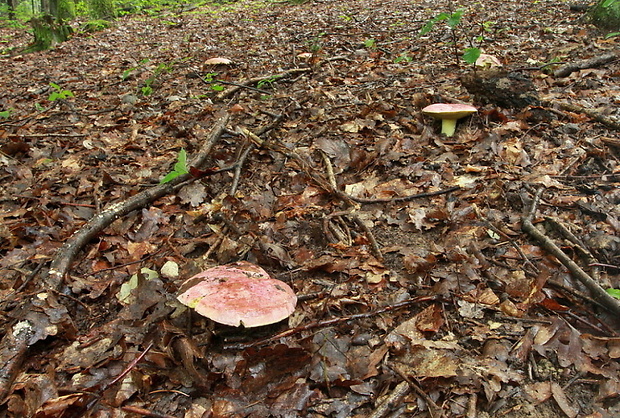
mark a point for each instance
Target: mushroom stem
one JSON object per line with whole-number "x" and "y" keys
{"x": 448, "y": 127}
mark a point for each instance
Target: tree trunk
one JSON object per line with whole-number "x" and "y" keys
{"x": 11, "y": 6}
{"x": 48, "y": 32}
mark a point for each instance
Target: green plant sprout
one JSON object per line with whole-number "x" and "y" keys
{"x": 370, "y": 43}
{"x": 403, "y": 58}
{"x": 180, "y": 168}
{"x": 210, "y": 78}
{"x": 59, "y": 93}
{"x": 614, "y": 292}
{"x": 266, "y": 82}
{"x": 471, "y": 55}
{"x": 453, "y": 20}
{"x": 5, "y": 114}
{"x": 96, "y": 25}
{"x": 316, "y": 44}
{"x": 163, "y": 67}
{"x": 127, "y": 72}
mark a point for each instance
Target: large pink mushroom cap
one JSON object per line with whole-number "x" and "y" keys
{"x": 449, "y": 113}
{"x": 239, "y": 294}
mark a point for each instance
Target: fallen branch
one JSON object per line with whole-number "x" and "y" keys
{"x": 16, "y": 342}
{"x": 587, "y": 63}
{"x": 363, "y": 200}
{"x": 67, "y": 253}
{"x": 244, "y": 155}
{"x": 607, "y": 121}
{"x": 391, "y": 401}
{"x": 608, "y": 301}
{"x": 331, "y": 177}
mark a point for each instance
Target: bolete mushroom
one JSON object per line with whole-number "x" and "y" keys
{"x": 239, "y": 294}
{"x": 448, "y": 113}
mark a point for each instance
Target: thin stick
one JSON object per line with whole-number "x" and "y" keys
{"x": 433, "y": 409}
{"x": 331, "y": 177}
{"x": 608, "y": 301}
{"x": 404, "y": 198}
{"x": 329, "y": 322}
{"x": 506, "y": 237}
{"x": 395, "y": 398}
{"x": 255, "y": 80}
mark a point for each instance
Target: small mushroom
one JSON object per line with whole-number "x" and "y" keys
{"x": 218, "y": 61}
{"x": 239, "y": 294}
{"x": 448, "y": 113}
{"x": 488, "y": 61}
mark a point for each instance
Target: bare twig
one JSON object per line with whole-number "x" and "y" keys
{"x": 329, "y": 323}
{"x": 607, "y": 121}
{"x": 488, "y": 223}
{"x": 433, "y": 408}
{"x": 394, "y": 398}
{"x": 256, "y": 80}
{"x": 608, "y": 301}
{"x": 244, "y": 155}
{"x": 404, "y": 198}
{"x": 12, "y": 352}
{"x": 238, "y": 166}
{"x": 567, "y": 69}
{"x": 331, "y": 177}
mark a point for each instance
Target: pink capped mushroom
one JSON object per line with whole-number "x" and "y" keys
{"x": 239, "y": 294}
{"x": 449, "y": 113}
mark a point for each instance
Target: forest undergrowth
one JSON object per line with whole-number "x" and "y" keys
{"x": 470, "y": 275}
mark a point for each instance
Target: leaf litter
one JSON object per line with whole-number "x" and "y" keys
{"x": 431, "y": 304}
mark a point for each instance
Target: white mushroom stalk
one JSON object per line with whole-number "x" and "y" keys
{"x": 448, "y": 113}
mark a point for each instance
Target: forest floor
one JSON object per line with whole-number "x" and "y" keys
{"x": 422, "y": 290}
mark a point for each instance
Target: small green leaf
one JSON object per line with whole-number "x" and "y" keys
{"x": 614, "y": 292}
{"x": 181, "y": 165}
{"x": 403, "y": 58}
{"x": 471, "y": 55}
{"x": 5, "y": 114}
{"x": 427, "y": 27}
{"x": 455, "y": 18}
{"x": 180, "y": 168}
{"x": 217, "y": 87}
{"x": 147, "y": 90}
{"x": 169, "y": 177}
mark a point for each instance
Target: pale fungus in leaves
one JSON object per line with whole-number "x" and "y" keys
{"x": 448, "y": 113}
{"x": 488, "y": 61}
{"x": 238, "y": 294}
{"x": 218, "y": 61}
